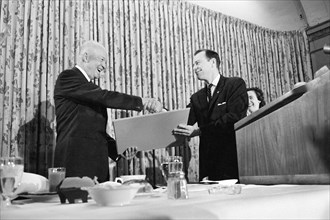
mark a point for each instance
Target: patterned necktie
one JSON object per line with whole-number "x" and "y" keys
{"x": 209, "y": 93}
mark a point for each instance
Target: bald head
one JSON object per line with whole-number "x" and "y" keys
{"x": 92, "y": 58}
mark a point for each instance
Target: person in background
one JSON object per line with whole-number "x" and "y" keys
{"x": 82, "y": 144}
{"x": 256, "y": 99}
{"x": 212, "y": 117}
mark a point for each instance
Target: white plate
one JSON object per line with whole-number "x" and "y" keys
{"x": 221, "y": 182}
{"x": 40, "y": 196}
{"x": 41, "y": 193}
{"x": 151, "y": 194}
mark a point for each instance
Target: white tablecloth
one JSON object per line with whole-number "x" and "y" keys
{"x": 254, "y": 202}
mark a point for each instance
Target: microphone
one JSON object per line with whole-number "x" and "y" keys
{"x": 326, "y": 49}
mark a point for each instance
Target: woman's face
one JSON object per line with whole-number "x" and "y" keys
{"x": 253, "y": 101}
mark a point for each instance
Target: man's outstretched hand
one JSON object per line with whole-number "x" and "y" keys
{"x": 152, "y": 105}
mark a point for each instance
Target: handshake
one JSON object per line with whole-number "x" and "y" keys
{"x": 152, "y": 105}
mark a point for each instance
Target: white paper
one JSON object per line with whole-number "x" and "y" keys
{"x": 149, "y": 131}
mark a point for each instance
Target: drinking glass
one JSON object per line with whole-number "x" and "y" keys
{"x": 55, "y": 176}
{"x": 11, "y": 171}
{"x": 165, "y": 165}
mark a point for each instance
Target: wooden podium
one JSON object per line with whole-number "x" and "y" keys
{"x": 288, "y": 140}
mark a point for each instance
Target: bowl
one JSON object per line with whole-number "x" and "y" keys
{"x": 112, "y": 193}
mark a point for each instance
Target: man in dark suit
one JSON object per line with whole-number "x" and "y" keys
{"x": 215, "y": 112}
{"x": 82, "y": 144}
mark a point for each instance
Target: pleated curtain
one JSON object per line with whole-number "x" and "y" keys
{"x": 150, "y": 48}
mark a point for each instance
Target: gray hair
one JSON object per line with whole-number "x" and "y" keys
{"x": 90, "y": 47}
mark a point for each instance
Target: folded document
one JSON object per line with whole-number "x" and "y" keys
{"x": 148, "y": 131}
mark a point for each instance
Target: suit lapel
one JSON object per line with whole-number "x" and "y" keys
{"x": 202, "y": 99}
{"x": 217, "y": 91}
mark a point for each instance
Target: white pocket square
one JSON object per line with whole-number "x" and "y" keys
{"x": 221, "y": 103}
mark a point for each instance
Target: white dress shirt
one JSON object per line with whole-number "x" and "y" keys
{"x": 214, "y": 84}
{"x": 84, "y": 73}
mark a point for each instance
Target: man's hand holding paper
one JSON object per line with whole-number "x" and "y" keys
{"x": 129, "y": 153}
{"x": 186, "y": 130}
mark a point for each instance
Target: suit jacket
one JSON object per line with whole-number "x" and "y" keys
{"x": 217, "y": 149}
{"x": 82, "y": 144}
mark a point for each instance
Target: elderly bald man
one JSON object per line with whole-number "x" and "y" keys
{"x": 82, "y": 144}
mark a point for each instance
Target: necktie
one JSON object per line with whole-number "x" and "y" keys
{"x": 209, "y": 93}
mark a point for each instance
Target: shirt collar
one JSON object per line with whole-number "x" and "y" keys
{"x": 216, "y": 80}
{"x": 84, "y": 73}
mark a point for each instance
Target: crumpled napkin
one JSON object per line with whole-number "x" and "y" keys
{"x": 33, "y": 183}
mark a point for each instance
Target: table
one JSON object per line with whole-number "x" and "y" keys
{"x": 254, "y": 202}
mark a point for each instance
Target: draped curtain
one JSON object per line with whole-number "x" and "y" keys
{"x": 150, "y": 50}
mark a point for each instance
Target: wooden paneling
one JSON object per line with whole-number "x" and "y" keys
{"x": 318, "y": 36}
{"x": 291, "y": 144}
